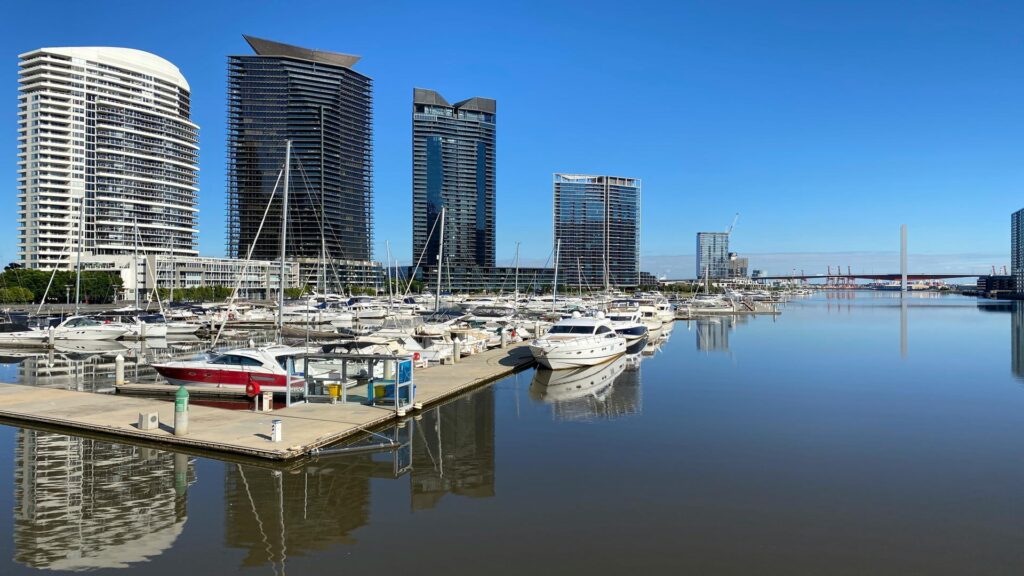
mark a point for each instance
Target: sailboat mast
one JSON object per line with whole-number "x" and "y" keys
{"x": 517, "y": 273}
{"x": 284, "y": 239}
{"x": 554, "y": 287}
{"x": 323, "y": 222}
{"x": 440, "y": 262}
{"x": 78, "y": 262}
{"x": 135, "y": 260}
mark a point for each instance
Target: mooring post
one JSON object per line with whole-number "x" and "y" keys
{"x": 181, "y": 411}
{"x": 504, "y": 339}
{"x": 118, "y": 370}
{"x": 456, "y": 350}
{"x": 49, "y": 336}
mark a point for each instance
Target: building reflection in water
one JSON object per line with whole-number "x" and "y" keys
{"x": 272, "y": 514}
{"x": 712, "y": 332}
{"x": 453, "y": 450}
{"x": 1017, "y": 340}
{"x": 276, "y": 514}
{"x": 83, "y": 504}
{"x": 605, "y": 391}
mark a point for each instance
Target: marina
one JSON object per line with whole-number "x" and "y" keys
{"x": 821, "y": 456}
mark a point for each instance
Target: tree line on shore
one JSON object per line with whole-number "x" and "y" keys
{"x": 22, "y": 286}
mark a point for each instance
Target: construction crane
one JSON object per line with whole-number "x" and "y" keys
{"x": 733, "y": 225}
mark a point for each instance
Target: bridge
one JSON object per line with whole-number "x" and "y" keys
{"x": 876, "y": 277}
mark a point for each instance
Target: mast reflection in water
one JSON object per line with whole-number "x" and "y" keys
{"x": 453, "y": 450}
{"x": 274, "y": 515}
{"x": 83, "y": 504}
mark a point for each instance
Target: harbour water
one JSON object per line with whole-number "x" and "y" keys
{"x": 850, "y": 435}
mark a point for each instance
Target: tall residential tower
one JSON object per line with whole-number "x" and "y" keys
{"x": 319, "y": 102}
{"x": 107, "y": 130}
{"x": 713, "y": 255}
{"x": 1017, "y": 249}
{"x": 453, "y": 167}
{"x": 597, "y": 219}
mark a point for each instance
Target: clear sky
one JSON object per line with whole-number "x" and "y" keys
{"x": 825, "y": 124}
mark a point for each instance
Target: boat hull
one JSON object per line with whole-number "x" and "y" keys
{"x": 215, "y": 378}
{"x": 563, "y": 357}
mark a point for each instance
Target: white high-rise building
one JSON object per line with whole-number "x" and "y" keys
{"x": 108, "y": 129}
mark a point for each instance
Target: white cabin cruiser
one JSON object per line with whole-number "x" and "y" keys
{"x": 577, "y": 342}
{"x": 628, "y": 324}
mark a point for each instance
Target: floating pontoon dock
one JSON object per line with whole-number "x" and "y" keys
{"x": 306, "y": 427}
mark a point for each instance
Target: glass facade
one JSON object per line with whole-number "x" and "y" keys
{"x": 713, "y": 255}
{"x": 1017, "y": 249}
{"x": 453, "y": 167}
{"x": 316, "y": 100}
{"x": 597, "y": 219}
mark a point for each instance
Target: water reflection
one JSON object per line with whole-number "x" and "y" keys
{"x": 713, "y": 332}
{"x": 274, "y": 515}
{"x": 83, "y": 504}
{"x": 453, "y": 451}
{"x": 1017, "y": 340}
{"x": 605, "y": 391}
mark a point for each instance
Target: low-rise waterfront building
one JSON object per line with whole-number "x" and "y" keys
{"x": 256, "y": 280}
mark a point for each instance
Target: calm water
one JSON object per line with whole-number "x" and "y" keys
{"x": 847, "y": 436}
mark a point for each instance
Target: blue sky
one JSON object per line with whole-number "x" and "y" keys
{"x": 825, "y": 124}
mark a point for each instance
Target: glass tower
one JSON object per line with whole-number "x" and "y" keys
{"x": 1017, "y": 249}
{"x": 597, "y": 219}
{"x": 453, "y": 167}
{"x": 316, "y": 100}
{"x": 713, "y": 255}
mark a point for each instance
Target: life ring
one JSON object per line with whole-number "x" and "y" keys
{"x": 416, "y": 356}
{"x": 252, "y": 389}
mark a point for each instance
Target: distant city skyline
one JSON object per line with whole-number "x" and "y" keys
{"x": 826, "y": 125}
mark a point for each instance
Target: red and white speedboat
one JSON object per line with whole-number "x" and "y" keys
{"x": 252, "y": 369}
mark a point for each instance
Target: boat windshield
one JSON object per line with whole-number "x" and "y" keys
{"x": 79, "y": 322}
{"x": 571, "y": 330}
{"x": 235, "y": 360}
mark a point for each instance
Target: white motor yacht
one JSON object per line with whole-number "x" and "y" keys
{"x": 85, "y": 328}
{"x": 627, "y": 324}
{"x": 577, "y": 342}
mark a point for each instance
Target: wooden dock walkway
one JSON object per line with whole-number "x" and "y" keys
{"x": 242, "y": 432}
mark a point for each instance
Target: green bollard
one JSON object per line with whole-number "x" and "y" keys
{"x": 181, "y": 411}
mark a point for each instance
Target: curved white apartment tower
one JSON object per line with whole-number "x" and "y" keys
{"x": 107, "y": 129}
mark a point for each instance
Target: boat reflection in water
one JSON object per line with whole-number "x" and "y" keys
{"x": 275, "y": 515}
{"x": 606, "y": 391}
{"x": 83, "y": 504}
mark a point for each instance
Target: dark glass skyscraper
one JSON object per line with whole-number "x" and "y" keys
{"x": 316, "y": 100}
{"x": 597, "y": 219}
{"x": 453, "y": 167}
